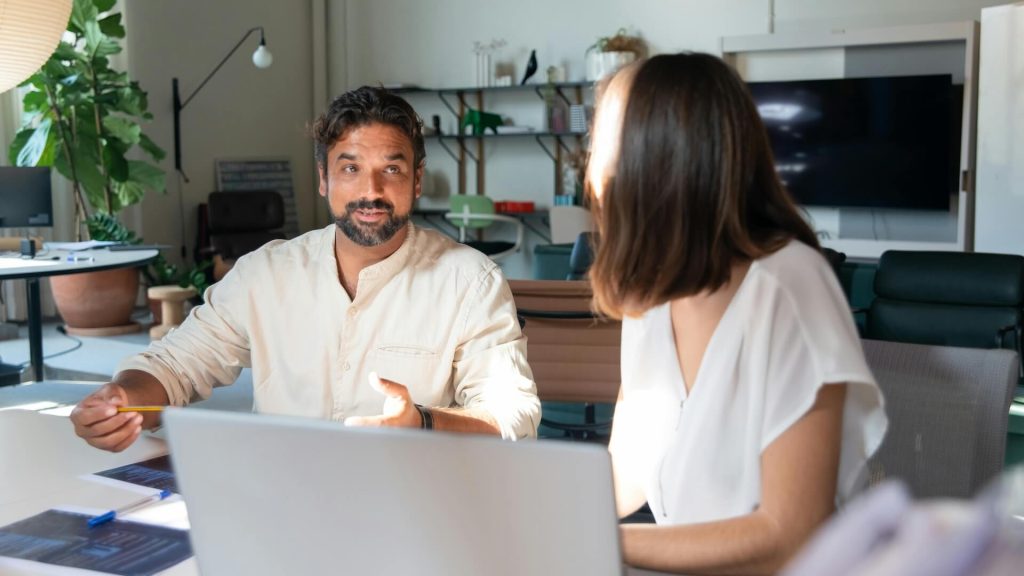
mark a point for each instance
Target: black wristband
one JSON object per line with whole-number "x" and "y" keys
{"x": 426, "y": 418}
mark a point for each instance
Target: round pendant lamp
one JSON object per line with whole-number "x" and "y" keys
{"x": 29, "y": 32}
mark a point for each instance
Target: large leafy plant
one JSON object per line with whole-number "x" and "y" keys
{"x": 83, "y": 117}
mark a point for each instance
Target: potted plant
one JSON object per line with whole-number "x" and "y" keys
{"x": 82, "y": 117}
{"x": 609, "y": 53}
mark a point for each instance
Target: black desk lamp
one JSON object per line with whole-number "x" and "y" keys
{"x": 262, "y": 58}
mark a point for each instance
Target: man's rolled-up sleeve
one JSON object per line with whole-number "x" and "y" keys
{"x": 209, "y": 349}
{"x": 490, "y": 370}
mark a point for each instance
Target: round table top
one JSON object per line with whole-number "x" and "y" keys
{"x": 59, "y": 262}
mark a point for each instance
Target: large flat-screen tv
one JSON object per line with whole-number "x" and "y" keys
{"x": 26, "y": 200}
{"x": 889, "y": 142}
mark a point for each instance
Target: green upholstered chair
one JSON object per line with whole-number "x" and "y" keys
{"x": 970, "y": 300}
{"x": 477, "y": 213}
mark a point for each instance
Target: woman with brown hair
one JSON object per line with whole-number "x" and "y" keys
{"x": 747, "y": 411}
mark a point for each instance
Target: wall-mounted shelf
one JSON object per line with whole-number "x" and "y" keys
{"x": 472, "y": 146}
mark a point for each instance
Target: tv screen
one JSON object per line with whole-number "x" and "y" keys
{"x": 25, "y": 197}
{"x": 865, "y": 142}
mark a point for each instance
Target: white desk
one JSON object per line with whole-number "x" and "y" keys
{"x": 42, "y": 461}
{"x": 55, "y": 263}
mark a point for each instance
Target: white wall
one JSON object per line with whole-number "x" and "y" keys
{"x": 430, "y": 44}
{"x": 242, "y": 112}
{"x": 1000, "y": 203}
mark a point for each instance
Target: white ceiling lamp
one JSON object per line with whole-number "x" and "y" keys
{"x": 29, "y": 32}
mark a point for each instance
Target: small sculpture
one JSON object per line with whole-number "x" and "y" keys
{"x": 531, "y": 67}
{"x": 480, "y": 121}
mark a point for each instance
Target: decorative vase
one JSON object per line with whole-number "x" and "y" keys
{"x": 601, "y": 64}
{"x": 97, "y": 303}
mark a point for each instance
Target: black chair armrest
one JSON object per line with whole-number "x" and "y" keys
{"x": 1002, "y": 332}
{"x": 1016, "y": 330}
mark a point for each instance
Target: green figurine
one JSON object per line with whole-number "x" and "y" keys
{"x": 480, "y": 121}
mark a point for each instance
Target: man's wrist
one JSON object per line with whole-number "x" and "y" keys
{"x": 426, "y": 417}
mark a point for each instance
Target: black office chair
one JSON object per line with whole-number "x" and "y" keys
{"x": 835, "y": 260}
{"x": 971, "y": 300}
{"x": 238, "y": 223}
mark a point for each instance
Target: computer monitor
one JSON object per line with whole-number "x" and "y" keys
{"x": 880, "y": 142}
{"x": 26, "y": 200}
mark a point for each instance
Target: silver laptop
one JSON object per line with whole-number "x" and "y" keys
{"x": 275, "y": 495}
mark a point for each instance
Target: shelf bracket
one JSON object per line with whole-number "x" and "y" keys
{"x": 545, "y": 148}
{"x": 535, "y": 230}
{"x": 564, "y": 146}
{"x": 449, "y": 106}
{"x": 558, "y": 90}
{"x": 462, "y": 145}
{"x": 454, "y": 156}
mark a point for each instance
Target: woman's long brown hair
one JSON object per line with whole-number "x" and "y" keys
{"x": 689, "y": 189}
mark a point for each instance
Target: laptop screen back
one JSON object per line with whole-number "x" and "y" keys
{"x": 274, "y": 495}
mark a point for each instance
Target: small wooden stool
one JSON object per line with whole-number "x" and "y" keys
{"x": 172, "y": 307}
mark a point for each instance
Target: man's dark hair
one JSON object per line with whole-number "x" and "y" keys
{"x": 363, "y": 106}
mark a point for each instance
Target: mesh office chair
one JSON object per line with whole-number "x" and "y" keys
{"x": 948, "y": 411}
{"x": 476, "y": 213}
{"x": 574, "y": 356}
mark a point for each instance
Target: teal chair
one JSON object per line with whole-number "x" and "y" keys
{"x": 477, "y": 213}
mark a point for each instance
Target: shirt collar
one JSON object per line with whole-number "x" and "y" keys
{"x": 393, "y": 264}
{"x": 381, "y": 271}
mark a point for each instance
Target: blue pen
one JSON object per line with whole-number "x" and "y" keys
{"x": 108, "y": 516}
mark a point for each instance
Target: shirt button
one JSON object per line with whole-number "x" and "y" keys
{"x": 352, "y": 310}
{"x": 347, "y": 366}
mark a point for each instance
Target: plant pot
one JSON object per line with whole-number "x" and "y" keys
{"x": 601, "y": 64}
{"x": 97, "y": 303}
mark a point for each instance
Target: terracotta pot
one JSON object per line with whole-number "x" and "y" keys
{"x": 96, "y": 299}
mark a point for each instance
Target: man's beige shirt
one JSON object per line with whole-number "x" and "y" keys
{"x": 435, "y": 316}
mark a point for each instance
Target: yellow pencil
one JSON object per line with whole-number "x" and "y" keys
{"x": 140, "y": 408}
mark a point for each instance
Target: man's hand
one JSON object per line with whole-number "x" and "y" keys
{"x": 399, "y": 409}
{"x": 97, "y": 420}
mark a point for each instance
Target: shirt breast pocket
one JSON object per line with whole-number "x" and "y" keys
{"x": 415, "y": 367}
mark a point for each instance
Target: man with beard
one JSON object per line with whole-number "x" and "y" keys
{"x": 370, "y": 321}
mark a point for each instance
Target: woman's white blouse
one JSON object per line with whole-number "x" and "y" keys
{"x": 787, "y": 332}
